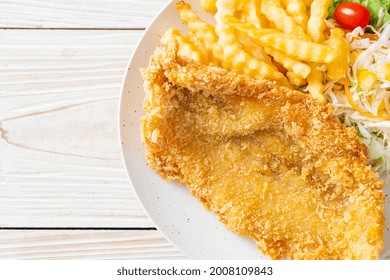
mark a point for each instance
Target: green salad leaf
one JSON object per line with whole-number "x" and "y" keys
{"x": 379, "y": 10}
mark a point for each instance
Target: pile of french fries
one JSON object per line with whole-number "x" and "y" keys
{"x": 286, "y": 41}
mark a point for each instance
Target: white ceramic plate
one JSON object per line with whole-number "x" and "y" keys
{"x": 177, "y": 214}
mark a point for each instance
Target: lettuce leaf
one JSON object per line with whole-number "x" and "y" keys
{"x": 379, "y": 10}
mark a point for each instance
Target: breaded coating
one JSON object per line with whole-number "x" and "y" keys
{"x": 273, "y": 164}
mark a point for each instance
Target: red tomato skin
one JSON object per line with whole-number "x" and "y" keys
{"x": 351, "y": 15}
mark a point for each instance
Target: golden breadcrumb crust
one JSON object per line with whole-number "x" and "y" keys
{"x": 272, "y": 163}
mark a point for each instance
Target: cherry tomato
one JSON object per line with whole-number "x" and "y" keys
{"x": 351, "y": 15}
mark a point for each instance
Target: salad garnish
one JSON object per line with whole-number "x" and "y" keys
{"x": 362, "y": 98}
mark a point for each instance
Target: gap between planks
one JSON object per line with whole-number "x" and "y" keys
{"x": 79, "y": 14}
{"x": 60, "y": 162}
{"x": 77, "y": 228}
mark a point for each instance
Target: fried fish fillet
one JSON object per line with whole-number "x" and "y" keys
{"x": 272, "y": 163}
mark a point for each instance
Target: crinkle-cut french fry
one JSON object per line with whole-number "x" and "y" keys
{"x": 338, "y": 68}
{"x": 292, "y": 65}
{"x": 253, "y": 49}
{"x": 198, "y": 44}
{"x": 204, "y": 31}
{"x": 249, "y": 28}
{"x": 274, "y": 12}
{"x": 298, "y": 11}
{"x": 287, "y": 44}
{"x": 227, "y": 38}
{"x": 208, "y": 5}
{"x": 251, "y": 9}
{"x": 241, "y": 61}
{"x": 316, "y": 24}
{"x": 295, "y": 79}
{"x": 186, "y": 48}
{"x": 315, "y": 83}
{"x": 307, "y": 2}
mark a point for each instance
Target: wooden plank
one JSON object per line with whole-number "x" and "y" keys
{"x": 78, "y": 13}
{"x": 85, "y": 244}
{"x": 60, "y": 162}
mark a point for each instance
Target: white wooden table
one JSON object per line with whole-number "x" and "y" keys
{"x": 64, "y": 193}
{"x": 63, "y": 189}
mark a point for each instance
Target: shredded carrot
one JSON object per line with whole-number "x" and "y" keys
{"x": 372, "y": 37}
{"x": 356, "y": 107}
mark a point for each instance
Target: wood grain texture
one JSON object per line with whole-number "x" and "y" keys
{"x": 60, "y": 162}
{"x": 78, "y": 13}
{"x": 85, "y": 244}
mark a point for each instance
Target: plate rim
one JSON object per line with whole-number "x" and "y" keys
{"x": 120, "y": 127}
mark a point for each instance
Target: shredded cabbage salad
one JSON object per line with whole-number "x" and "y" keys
{"x": 362, "y": 101}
